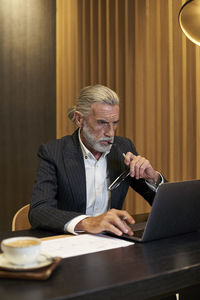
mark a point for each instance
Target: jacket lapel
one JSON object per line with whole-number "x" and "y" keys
{"x": 113, "y": 172}
{"x": 75, "y": 171}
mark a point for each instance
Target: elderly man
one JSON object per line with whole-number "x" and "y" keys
{"x": 71, "y": 192}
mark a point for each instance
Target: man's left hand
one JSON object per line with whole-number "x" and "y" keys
{"x": 140, "y": 167}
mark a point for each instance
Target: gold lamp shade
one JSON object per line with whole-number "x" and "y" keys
{"x": 189, "y": 20}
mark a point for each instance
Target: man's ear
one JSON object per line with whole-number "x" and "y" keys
{"x": 78, "y": 119}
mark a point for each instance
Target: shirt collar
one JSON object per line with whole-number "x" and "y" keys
{"x": 85, "y": 151}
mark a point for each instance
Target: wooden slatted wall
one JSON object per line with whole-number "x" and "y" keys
{"x": 136, "y": 48}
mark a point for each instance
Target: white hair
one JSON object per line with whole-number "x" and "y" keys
{"x": 93, "y": 94}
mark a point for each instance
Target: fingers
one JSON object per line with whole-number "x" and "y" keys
{"x": 125, "y": 216}
{"x": 118, "y": 222}
{"x": 115, "y": 221}
{"x": 120, "y": 226}
{"x": 140, "y": 167}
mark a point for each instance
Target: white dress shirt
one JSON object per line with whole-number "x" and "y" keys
{"x": 97, "y": 194}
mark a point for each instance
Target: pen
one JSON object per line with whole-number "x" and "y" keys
{"x": 112, "y": 143}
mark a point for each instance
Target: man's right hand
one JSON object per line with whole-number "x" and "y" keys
{"x": 115, "y": 221}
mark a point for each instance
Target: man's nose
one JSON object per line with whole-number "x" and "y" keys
{"x": 110, "y": 130}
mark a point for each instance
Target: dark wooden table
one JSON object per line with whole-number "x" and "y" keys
{"x": 141, "y": 271}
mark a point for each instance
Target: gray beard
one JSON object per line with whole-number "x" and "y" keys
{"x": 95, "y": 144}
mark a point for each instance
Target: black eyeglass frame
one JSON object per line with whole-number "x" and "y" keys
{"x": 119, "y": 180}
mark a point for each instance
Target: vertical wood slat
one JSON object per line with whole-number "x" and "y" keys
{"x": 158, "y": 112}
{"x": 140, "y": 52}
{"x": 99, "y": 58}
{"x": 184, "y": 105}
{"x": 83, "y": 44}
{"x": 197, "y": 112}
{"x": 116, "y": 75}
{"x": 171, "y": 91}
{"x": 107, "y": 44}
{"x": 92, "y": 50}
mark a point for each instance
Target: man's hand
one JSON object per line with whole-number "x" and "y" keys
{"x": 140, "y": 167}
{"x": 115, "y": 221}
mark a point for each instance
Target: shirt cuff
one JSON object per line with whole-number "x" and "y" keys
{"x": 154, "y": 186}
{"x": 69, "y": 226}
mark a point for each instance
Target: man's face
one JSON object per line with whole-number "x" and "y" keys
{"x": 99, "y": 128}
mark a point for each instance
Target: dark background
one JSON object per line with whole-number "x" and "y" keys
{"x": 27, "y": 96}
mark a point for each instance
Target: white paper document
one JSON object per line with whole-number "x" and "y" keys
{"x": 81, "y": 244}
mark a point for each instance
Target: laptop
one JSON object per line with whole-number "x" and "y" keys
{"x": 175, "y": 211}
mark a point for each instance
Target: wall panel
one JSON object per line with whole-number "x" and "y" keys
{"x": 136, "y": 48}
{"x": 27, "y": 96}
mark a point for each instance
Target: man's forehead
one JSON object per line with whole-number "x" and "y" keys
{"x": 101, "y": 110}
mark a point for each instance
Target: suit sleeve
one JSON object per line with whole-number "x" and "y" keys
{"x": 139, "y": 185}
{"x": 44, "y": 211}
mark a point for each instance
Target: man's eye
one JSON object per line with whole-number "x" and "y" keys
{"x": 101, "y": 122}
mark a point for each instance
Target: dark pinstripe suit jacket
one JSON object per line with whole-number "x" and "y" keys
{"x": 59, "y": 192}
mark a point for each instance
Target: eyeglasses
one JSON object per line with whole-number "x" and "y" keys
{"x": 119, "y": 180}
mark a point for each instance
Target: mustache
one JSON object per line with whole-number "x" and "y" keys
{"x": 107, "y": 139}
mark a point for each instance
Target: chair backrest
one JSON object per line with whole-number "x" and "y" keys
{"x": 20, "y": 220}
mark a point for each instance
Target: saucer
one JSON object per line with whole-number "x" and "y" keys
{"x": 42, "y": 261}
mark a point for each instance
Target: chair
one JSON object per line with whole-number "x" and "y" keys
{"x": 20, "y": 220}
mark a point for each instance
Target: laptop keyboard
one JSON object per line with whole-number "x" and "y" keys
{"x": 138, "y": 233}
{"x": 137, "y": 228}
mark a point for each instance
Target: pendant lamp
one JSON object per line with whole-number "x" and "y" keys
{"x": 189, "y": 20}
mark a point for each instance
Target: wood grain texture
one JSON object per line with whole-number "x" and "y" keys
{"x": 137, "y": 48}
{"x": 151, "y": 270}
{"x": 27, "y": 96}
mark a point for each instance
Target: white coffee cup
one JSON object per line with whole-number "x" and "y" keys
{"x": 21, "y": 250}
